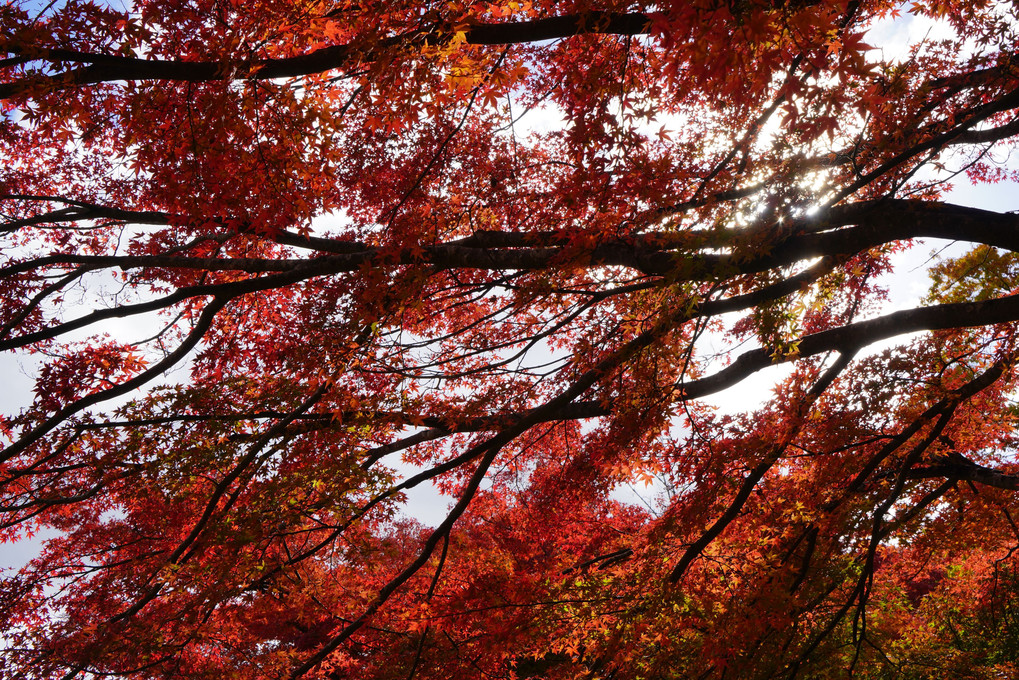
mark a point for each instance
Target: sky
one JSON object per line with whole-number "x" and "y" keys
{"x": 425, "y": 503}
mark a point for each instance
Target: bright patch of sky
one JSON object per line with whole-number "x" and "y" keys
{"x": 893, "y": 38}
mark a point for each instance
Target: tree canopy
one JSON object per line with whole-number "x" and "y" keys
{"x": 274, "y": 264}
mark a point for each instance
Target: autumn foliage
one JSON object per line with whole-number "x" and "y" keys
{"x": 272, "y": 264}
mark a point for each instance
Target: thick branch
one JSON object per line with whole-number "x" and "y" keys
{"x": 960, "y": 468}
{"x": 869, "y": 224}
{"x": 103, "y": 68}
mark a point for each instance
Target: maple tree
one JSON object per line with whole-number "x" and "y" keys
{"x": 344, "y": 250}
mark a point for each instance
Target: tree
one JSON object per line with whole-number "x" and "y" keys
{"x": 352, "y": 252}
